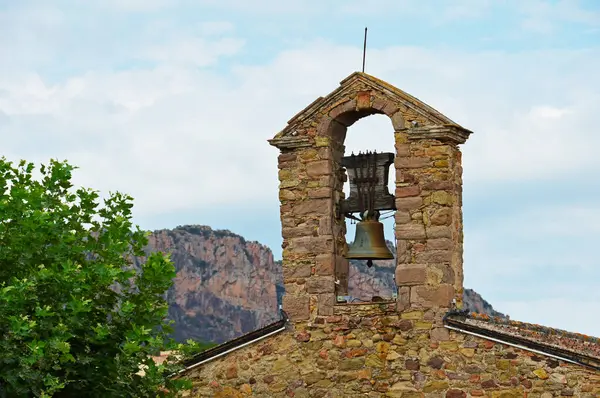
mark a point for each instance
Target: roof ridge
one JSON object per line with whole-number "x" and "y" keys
{"x": 579, "y": 347}
{"x": 534, "y": 326}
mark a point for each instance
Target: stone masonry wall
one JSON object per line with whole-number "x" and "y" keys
{"x": 306, "y": 194}
{"x": 394, "y": 355}
{"x": 428, "y": 222}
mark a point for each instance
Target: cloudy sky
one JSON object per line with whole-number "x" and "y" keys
{"x": 172, "y": 101}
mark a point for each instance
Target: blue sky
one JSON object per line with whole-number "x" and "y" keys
{"x": 173, "y": 101}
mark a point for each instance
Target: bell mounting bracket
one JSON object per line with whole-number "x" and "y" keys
{"x": 368, "y": 175}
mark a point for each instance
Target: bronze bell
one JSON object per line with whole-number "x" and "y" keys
{"x": 369, "y": 243}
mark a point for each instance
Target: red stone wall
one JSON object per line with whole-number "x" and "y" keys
{"x": 382, "y": 355}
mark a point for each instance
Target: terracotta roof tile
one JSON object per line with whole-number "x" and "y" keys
{"x": 577, "y": 343}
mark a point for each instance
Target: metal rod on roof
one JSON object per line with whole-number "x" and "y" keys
{"x": 364, "y": 50}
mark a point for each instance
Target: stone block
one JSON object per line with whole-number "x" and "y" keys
{"x": 325, "y": 264}
{"x": 325, "y": 153}
{"x": 436, "y": 150}
{"x": 416, "y": 216}
{"x": 287, "y": 221}
{"x": 308, "y": 155}
{"x": 398, "y": 122}
{"x": 439, "y": 244}
{"x": 402, "y": 217}
{"x": 286, "y": 194}
{"x": 295, "y": 287}
{"x": 441, "y": 216}
{"x": 439, "y": 334}
{"x": 438, "y": 186}
{"x": 296, "y": 271}
{"x": 320, "y": 284}
{"x": 411, "y": 274}
{"x": 317, "y": 245}
{"x": 404, "y": 177}
{"x": 412, "y": 231}
{"x": 385, "y": 106}
{"x": 403, "y": 300}
{"x": 402, "y": 251}
{"x": 313, "y": 206}
{"x": 441, "y": 295}
{"x": 299, "y": 231}
{"x": 446, "y": 273}
{"x": 287, "y": 165}
{"x": 321, "y": 142}
{"x": 402, "y": 150}
{"x": 342, "y": 264}
{"x": 439, "y": 232}
{"x": 325, "y": 225}
{"x": 405, "y": 192}
{"x": 434, "y": 256}
{"x": 289, "y": 183}
{"x": 363, "y": 100}
{"x": 442, "y": 198}
{"x": 286, "y": 157}
{"x": 413, "y": 162}
{"x": 400, "y": 136}
{"x": 296, "y": 307}
{"x": 409, "y": 203}
{"x": 319, "y": 168}
{"x": 343, "y": 108}
{"x": 327, "y": 181}
{"x": 456, "y": 393}
{"x": 319, "y": 193}
{"x": 325, "y": 304}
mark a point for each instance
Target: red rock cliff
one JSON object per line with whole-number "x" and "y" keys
{"x": 225, "y": 285}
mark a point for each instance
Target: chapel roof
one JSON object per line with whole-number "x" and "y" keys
{"x": 574, "y": 347}
{"x": 560, "y": 344}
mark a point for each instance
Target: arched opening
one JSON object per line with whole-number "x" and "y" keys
{"x": 368, "y": 284}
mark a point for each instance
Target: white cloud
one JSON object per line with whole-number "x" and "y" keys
{"x": 164, "y": 132}
{"x": 545, "y": 16}
{"x": 131, "y": 5}
{"x": 195, "y": 52}
{"x": 216, "y": 28}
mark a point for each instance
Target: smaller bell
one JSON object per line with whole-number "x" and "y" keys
{"x": 369, "y": 243}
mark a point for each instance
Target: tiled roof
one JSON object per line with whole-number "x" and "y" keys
{"x": 577, "y": 345}
{"x": 239, "y": 342}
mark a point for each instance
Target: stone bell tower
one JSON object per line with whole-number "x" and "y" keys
{"x": 428, "y": 200}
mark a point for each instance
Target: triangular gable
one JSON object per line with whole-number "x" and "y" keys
{"x": 358, "y": 82}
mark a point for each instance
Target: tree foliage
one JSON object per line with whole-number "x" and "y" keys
{"x": 76, "y": 319}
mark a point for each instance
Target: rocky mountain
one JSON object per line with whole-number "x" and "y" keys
{"x": 227, "y": 286}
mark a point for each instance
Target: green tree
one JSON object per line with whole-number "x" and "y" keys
{"x": 76, "y": 318}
